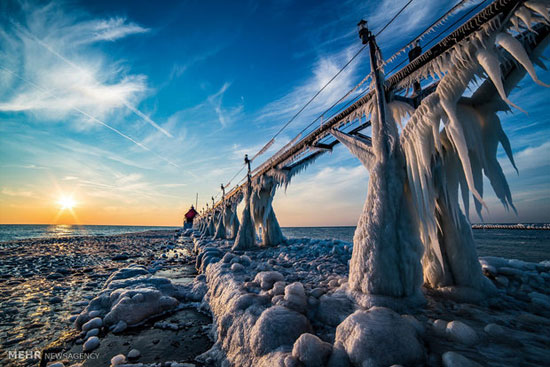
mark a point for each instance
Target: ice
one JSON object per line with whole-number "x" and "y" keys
{"x": 379, "y": 337}
{"x": 246, "y": 235}
{"x": 91, "y": 344}
{"x": 454, "y": 359}
{"x": 94, "y": 323}
{"x": 384, "y": 262}
{"x": 461, "y": 333}
{"x": 262, "y": 209}
{"x": 130, "y": 296}
{"x": 277, "y": 326}
{"x": 118, "y": 359}
{"x": 266, "y": 279}
{"x": 311, "y": 351}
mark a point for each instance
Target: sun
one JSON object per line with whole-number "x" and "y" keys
{"x": 66, "y": 202}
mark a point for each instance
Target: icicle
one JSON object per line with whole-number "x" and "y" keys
{"x": 400, "y": 110}
{"x": 525, "y": 15}
{"x": 459, "y": 142}
{"x": 264, "y": 149}
{"x": 515, "y": 48}
{"x": 491, "y": 65}
{"x": 538, "y": 8}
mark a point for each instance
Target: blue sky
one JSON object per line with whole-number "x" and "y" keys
{"x": 133, "y": 107}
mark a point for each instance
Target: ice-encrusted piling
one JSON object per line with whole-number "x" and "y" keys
{"x": 386, "y": 247}
{"x": 220, "y": 228}
{"x": 262, "y": 209}
{"x": 246, "y": 236}
{"x": 221, "y": 231}
{"x": 438, "y": 163}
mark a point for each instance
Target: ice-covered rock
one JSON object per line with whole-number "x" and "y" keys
{"x": 333, "y": 309}
{"x": 92, "y": 332}
{"x": 454, "y": 359}
{"x": 440, "y": 327}
{"x": 131, "y": 312}
{"x": 266, "y": 279}
{"x": 311, "y": 351}
{"x": 462, "y": 333}
{"x": 134, "y": 354}
{"x": 131, "y": 295}
{"x": 236, "y": 267}
{"x": 94, "y": 323}
{"x": 119, "y": 327}
{"x": 118, "y": 360}
{"x": 91, "y": 344}
{"x": 494, "y": 330}
{"x": 295, "y": 297}
{"x": 369, "y": 338}
{"x": 275, "y": 327}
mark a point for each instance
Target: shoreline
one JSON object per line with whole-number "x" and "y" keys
{"x": 138, "y": 288}
{"x": 45, "y": 283}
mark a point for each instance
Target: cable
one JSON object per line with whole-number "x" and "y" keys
{"x": 318, "y": 92}
{"x": 394, "y": 17}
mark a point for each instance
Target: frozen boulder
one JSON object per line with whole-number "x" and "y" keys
{"x": 311, "y": 351}
{"x": 236, "y": 267}
{"x": 495, "y": 330}
{"x": 266, "y": 279}
{"x": 119, "y": 327}
{"x": 462, "y": 333}
{"x": 94, "y": 323}
{"x": 440, "y": 327}
{"x": 275, "y": 327}
{"x": 295, "y": 297}
{"x": 117, "y": 360}
{"x": 91, "y": 344}
{"x": 454, "y": 359}
{"x": 131, "y": 312}
{"x": 379, "y": 337}
{"x": 134, "y": 354}
{"x": 333, "y": 309}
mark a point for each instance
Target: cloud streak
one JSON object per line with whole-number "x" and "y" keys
{"x": 86, "y": 85}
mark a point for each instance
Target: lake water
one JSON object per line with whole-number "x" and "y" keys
{"x": 10, "y": 232}
{"x": 527, "y": 245}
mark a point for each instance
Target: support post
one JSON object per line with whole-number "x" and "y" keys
{"x": 246, "y": 236}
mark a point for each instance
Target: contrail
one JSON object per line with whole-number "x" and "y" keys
{"x": 69, "y": 62}
{"x": 91, "y": 117}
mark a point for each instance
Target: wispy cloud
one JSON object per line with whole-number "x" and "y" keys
{"x": 277, "y": 113}
{"x": 225, "y": 115}
{"x": 76, "y": 75}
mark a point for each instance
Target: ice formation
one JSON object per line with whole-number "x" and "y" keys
{"x": 246, "y": 235}
{"x": 386, "y": 247}
{"x": 294, "y": 304}
{"x": 438, "y": 163}
{"x": 220, "y": 227}
{"x": 415, "y": 178}
{"x": 264, "y": 216}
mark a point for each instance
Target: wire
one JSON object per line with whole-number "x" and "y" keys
{"x": 394, "y": 17}
{"x": 318, "y": 92}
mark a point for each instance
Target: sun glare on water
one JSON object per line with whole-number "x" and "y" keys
{"x": 66, "y": 202}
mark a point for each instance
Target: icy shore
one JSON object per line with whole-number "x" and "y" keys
{"x": 289, "y": 305}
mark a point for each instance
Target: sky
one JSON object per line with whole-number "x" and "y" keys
{"x": 132, "y": 108}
